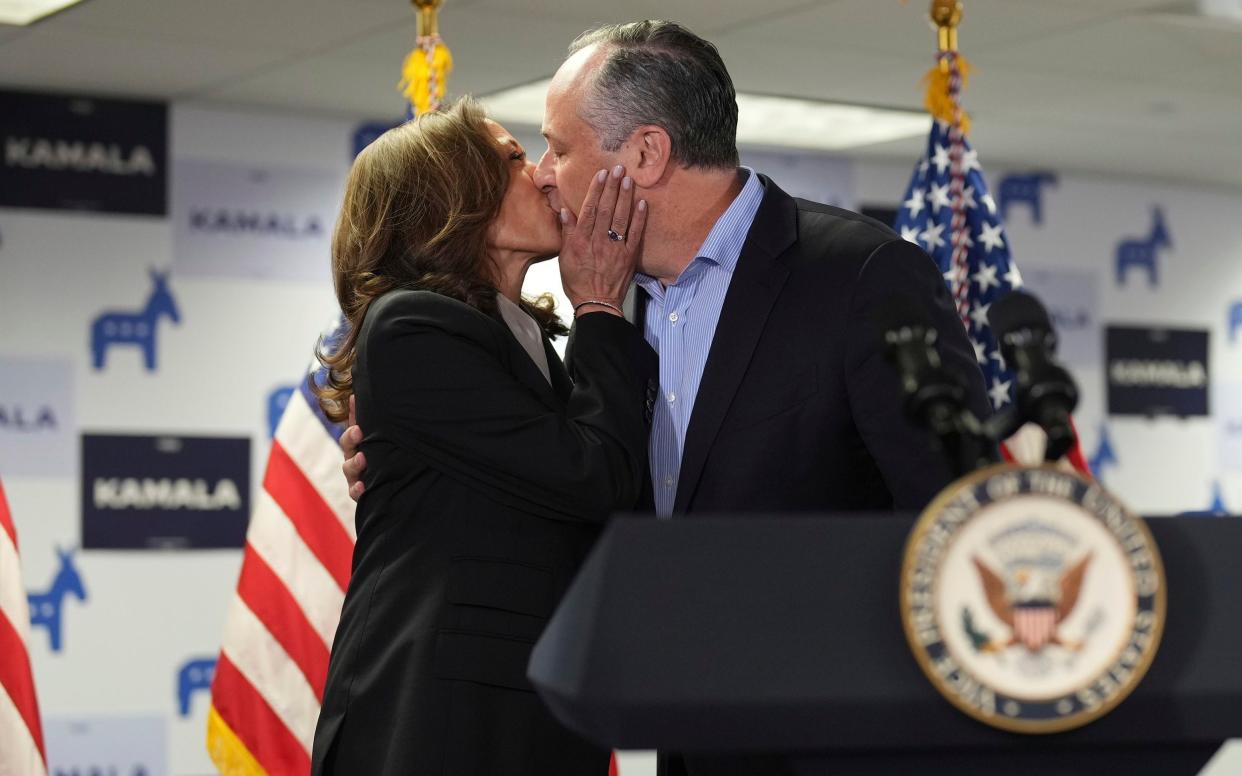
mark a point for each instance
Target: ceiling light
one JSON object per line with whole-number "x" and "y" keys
{"x": 786, "y": 121}
{"x": 22, "y": 12}
{"x": 519, "y": 104}
{"x": 766, "y": 120}
{"x": 1213, "y": 15}
{"x": 1230, "y": 10}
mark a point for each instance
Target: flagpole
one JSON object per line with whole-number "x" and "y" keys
{"x": 945, "y": 16}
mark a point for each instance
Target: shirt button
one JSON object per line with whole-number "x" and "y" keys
{"x": 668, "y": 482}
{"x": 672, "y": 397}
{"x": 672, "y": 317}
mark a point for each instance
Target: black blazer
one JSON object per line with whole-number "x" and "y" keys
{"x": 798, "y": 410}
{"x": 485, "y": 487}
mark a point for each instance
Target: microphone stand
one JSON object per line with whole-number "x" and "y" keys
{"x": 936, "y": 399}
{"x": 1045, "y": 392}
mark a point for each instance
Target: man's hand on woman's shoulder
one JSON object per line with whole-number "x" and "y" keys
{"x": 355, "y": 461}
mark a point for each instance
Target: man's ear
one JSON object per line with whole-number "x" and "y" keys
{"x": 653, "y": 148}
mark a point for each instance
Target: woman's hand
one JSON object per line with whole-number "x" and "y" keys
{"x": 599, "y": 252}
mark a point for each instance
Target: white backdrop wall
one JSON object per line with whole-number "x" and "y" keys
{"x": 148, "y": 612}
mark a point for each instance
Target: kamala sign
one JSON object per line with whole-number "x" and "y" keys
{"x": 37, "y": 431}
{"x": 253, "y": 222}
{"x": 173, "y": 492}
{"x": 1157, "y": 371}
{"x": 83, "y": 153}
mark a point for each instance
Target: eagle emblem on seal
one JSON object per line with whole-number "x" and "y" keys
{"x": 1033, "y": 601}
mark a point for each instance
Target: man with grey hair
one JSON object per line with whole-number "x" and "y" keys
{"x": 775, "y": 395}
{"x": 775, "y": 392}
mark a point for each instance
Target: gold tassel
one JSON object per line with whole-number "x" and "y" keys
{"x": 939, "y": 102}
{"x": 424, "y": 77}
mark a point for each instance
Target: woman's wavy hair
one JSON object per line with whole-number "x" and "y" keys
{"x": 418, "y": 204}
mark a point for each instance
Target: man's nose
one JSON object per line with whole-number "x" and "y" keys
{"x": 544, "y": 177}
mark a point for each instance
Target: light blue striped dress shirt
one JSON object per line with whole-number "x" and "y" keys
{"x": 680, "y": 323}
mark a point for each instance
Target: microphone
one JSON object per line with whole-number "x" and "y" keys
{"x": 1046, "y": 393}
{"x": 935, "y": 397}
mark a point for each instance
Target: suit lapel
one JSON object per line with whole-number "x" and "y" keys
{"x": 639, "y": 317}
{"x": 757, "y": 282}
{"x": 524, "y": 368}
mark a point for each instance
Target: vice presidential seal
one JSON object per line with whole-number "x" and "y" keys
{"x": 1032, "y": 599}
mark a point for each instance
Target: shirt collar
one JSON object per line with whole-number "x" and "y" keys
{"x": 724, "y": 242}
{"x": 515, "y": 317}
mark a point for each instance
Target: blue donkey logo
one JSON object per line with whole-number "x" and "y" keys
{"x": 1235, "y": 320}
{"x": 45, "y": 608}
{"x": 1218, "y": 501}
{"x": 1143, "y": 253}
{"x": 1216, "y": 509}
{"x": 1104, "y": 455}
{"x": 193, "y": 676}
{"x": 277, "y": 400}
{"x": 1026, "y": 188}
{"x": 135, "y": 328}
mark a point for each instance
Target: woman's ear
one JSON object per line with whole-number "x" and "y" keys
{"x": 654, "y": 150}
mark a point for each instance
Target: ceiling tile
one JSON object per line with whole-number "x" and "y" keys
{"x": 361, "y": 77}
{"x": 1215, "y": 39}
{"x": 59, "y": 58}
{"x": 903, "y": 30}
{"x": 1126, "y": 48}
{"x": 275, "y": 25}
{"x": 702, "y": 17}
{"x": 343, "y": 87}
{"x": 822, "y": 72}
{"x": 1220, "y": 79}
{"x": 9, "y": 32}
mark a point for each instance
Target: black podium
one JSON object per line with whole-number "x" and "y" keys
{"x": 731, "y": 636}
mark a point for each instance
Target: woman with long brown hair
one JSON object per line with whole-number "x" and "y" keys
{"x": 490, "y": 465}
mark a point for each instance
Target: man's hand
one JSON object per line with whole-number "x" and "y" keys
{"x": 355, "y": 461}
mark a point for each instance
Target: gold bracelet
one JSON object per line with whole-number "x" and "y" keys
{"x": 609, "y": 305}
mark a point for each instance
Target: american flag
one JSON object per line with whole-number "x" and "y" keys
{"x": 985, "y": 270}
{"x": 21, "y": 731}
{"x": 273, "y": 662}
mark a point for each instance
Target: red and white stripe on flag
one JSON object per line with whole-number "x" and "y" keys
{"x": 273, "y": 662}
{"x": 21, "y": 731}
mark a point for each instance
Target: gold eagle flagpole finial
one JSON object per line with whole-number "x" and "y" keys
{"x": 945, "y": 81}
{"x": 424, "y": 76}
{"x": 945, "y": 16}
